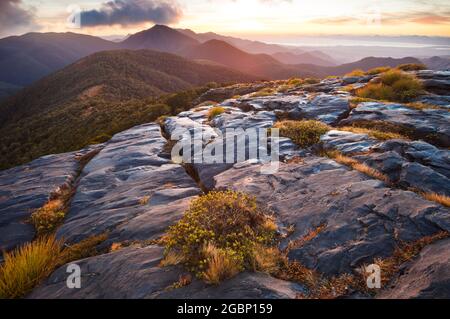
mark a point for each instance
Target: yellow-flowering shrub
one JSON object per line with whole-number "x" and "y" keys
{"x": 218, "y": 234}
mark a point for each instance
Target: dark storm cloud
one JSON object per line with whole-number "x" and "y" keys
{"x": 128, "y": 12}
{"x": 13, "y": 16}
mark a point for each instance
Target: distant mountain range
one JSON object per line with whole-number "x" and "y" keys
{"x": 27, "y": 58}
{"x": 116, "y": 75}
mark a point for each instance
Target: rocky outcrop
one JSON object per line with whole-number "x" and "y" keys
{"x": 435, "y": 81}
{"x": 364, "y": 218}
{"x": 426, "y": 124}
{"x": 414, "y": 164}
{"x": 427, "y": 277}
{"x": 125, "y": 190}
{"x": 28, "y": 187}
{"x": 333, "y": 219}
{"x": 347, "y": 142}
{"x": 134, "y": 273}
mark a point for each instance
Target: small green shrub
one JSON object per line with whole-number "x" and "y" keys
{"x": 311, "y": 81}
{"x": 295, "y": 82}
{"x": 264, "y": 92}
{"x": 378, "y": 70}
{"x": 357, "y": 72}
{"x": 217, "y": 236}
{"x": 302, "y": 133}
{"x": 395, "y": 86}
{"x": 411, "y": 67}
{"x": 215, "y": 111}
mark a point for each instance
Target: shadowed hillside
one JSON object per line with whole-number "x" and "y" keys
{"x": 98, "y": 96}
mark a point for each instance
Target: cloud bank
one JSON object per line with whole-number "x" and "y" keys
{"x": 129, "y": 12}
{"x": 14, "y": 17}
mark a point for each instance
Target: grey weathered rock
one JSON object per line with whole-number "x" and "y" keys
{"x": 412, "y": 164}
{"x": 435, "y": 81}
{"x": 133, "y": 273}
{"x": 325, "y": 107}
{"x": 130, "y": 273}
{"x": 125, "y": 190}
{"x": 28, "y": 187}
{"x": 347, "y": 142}
{"x": 426, "y": 124}
{"x": 243, "y": 286}
{"x": 427, "y": 277}
{"x": 364, "y": 217}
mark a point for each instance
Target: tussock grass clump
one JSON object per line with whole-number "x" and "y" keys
{"x": 264, "y": 92}
{"x": 302, "y": 133}
{"x": 215, "y": 111}
{"x": 379, "y": 70}
{"x": 357, "y": 72}
{"x": 395, "y": 86}
{"x": 311, "y": 81}
{"x": 379, "y": 135}
{"x": 412, "y": 67}
{"x": 218, "y": 235}
{"x": 27, "y": 266}
{"x": 295, "y": 82}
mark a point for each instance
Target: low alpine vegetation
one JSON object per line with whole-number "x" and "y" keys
{"x": 379, "y": 70}
{"x": 379, "y": 135}
{"x": 357, "y": 72}
{"x": 411, "y": 67}
{"x": 27, "y": 266}
{"x": 356, "y": 165}
{"x": 395, "y": 86}
{"x": 215, "y": 111}
{"x": 219, "y": 236}
{"x": 302, "y": 133}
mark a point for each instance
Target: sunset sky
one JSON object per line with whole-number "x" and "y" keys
{"x": 233, "y": 17}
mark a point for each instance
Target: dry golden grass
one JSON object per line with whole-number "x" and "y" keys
{"x": 411, "y": 67}
{"x": 215, "y": 111}
{"x": 378, "y": 70}
{"x": 220, "y": 265}
{"x": 404, "y": 253}
{"x": 183, "y": 280}
{"x": 395, "y": 86}
{"x": 84, "y": 249}
{"x": 363, "y": 168}
{"x": 267, "y": 259}
{"x": 115, "y": 247}
{"x": 264, "y": 92}
{"x": 27, "y": 266}
{"x": 438, "y": 198}
{"x": 357, "y": 72}
{"x": 379, "y": 135}
{"x": 313, "y": 233}
{"x": 144, "y": 200}
{"x": 172, "y": 258}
